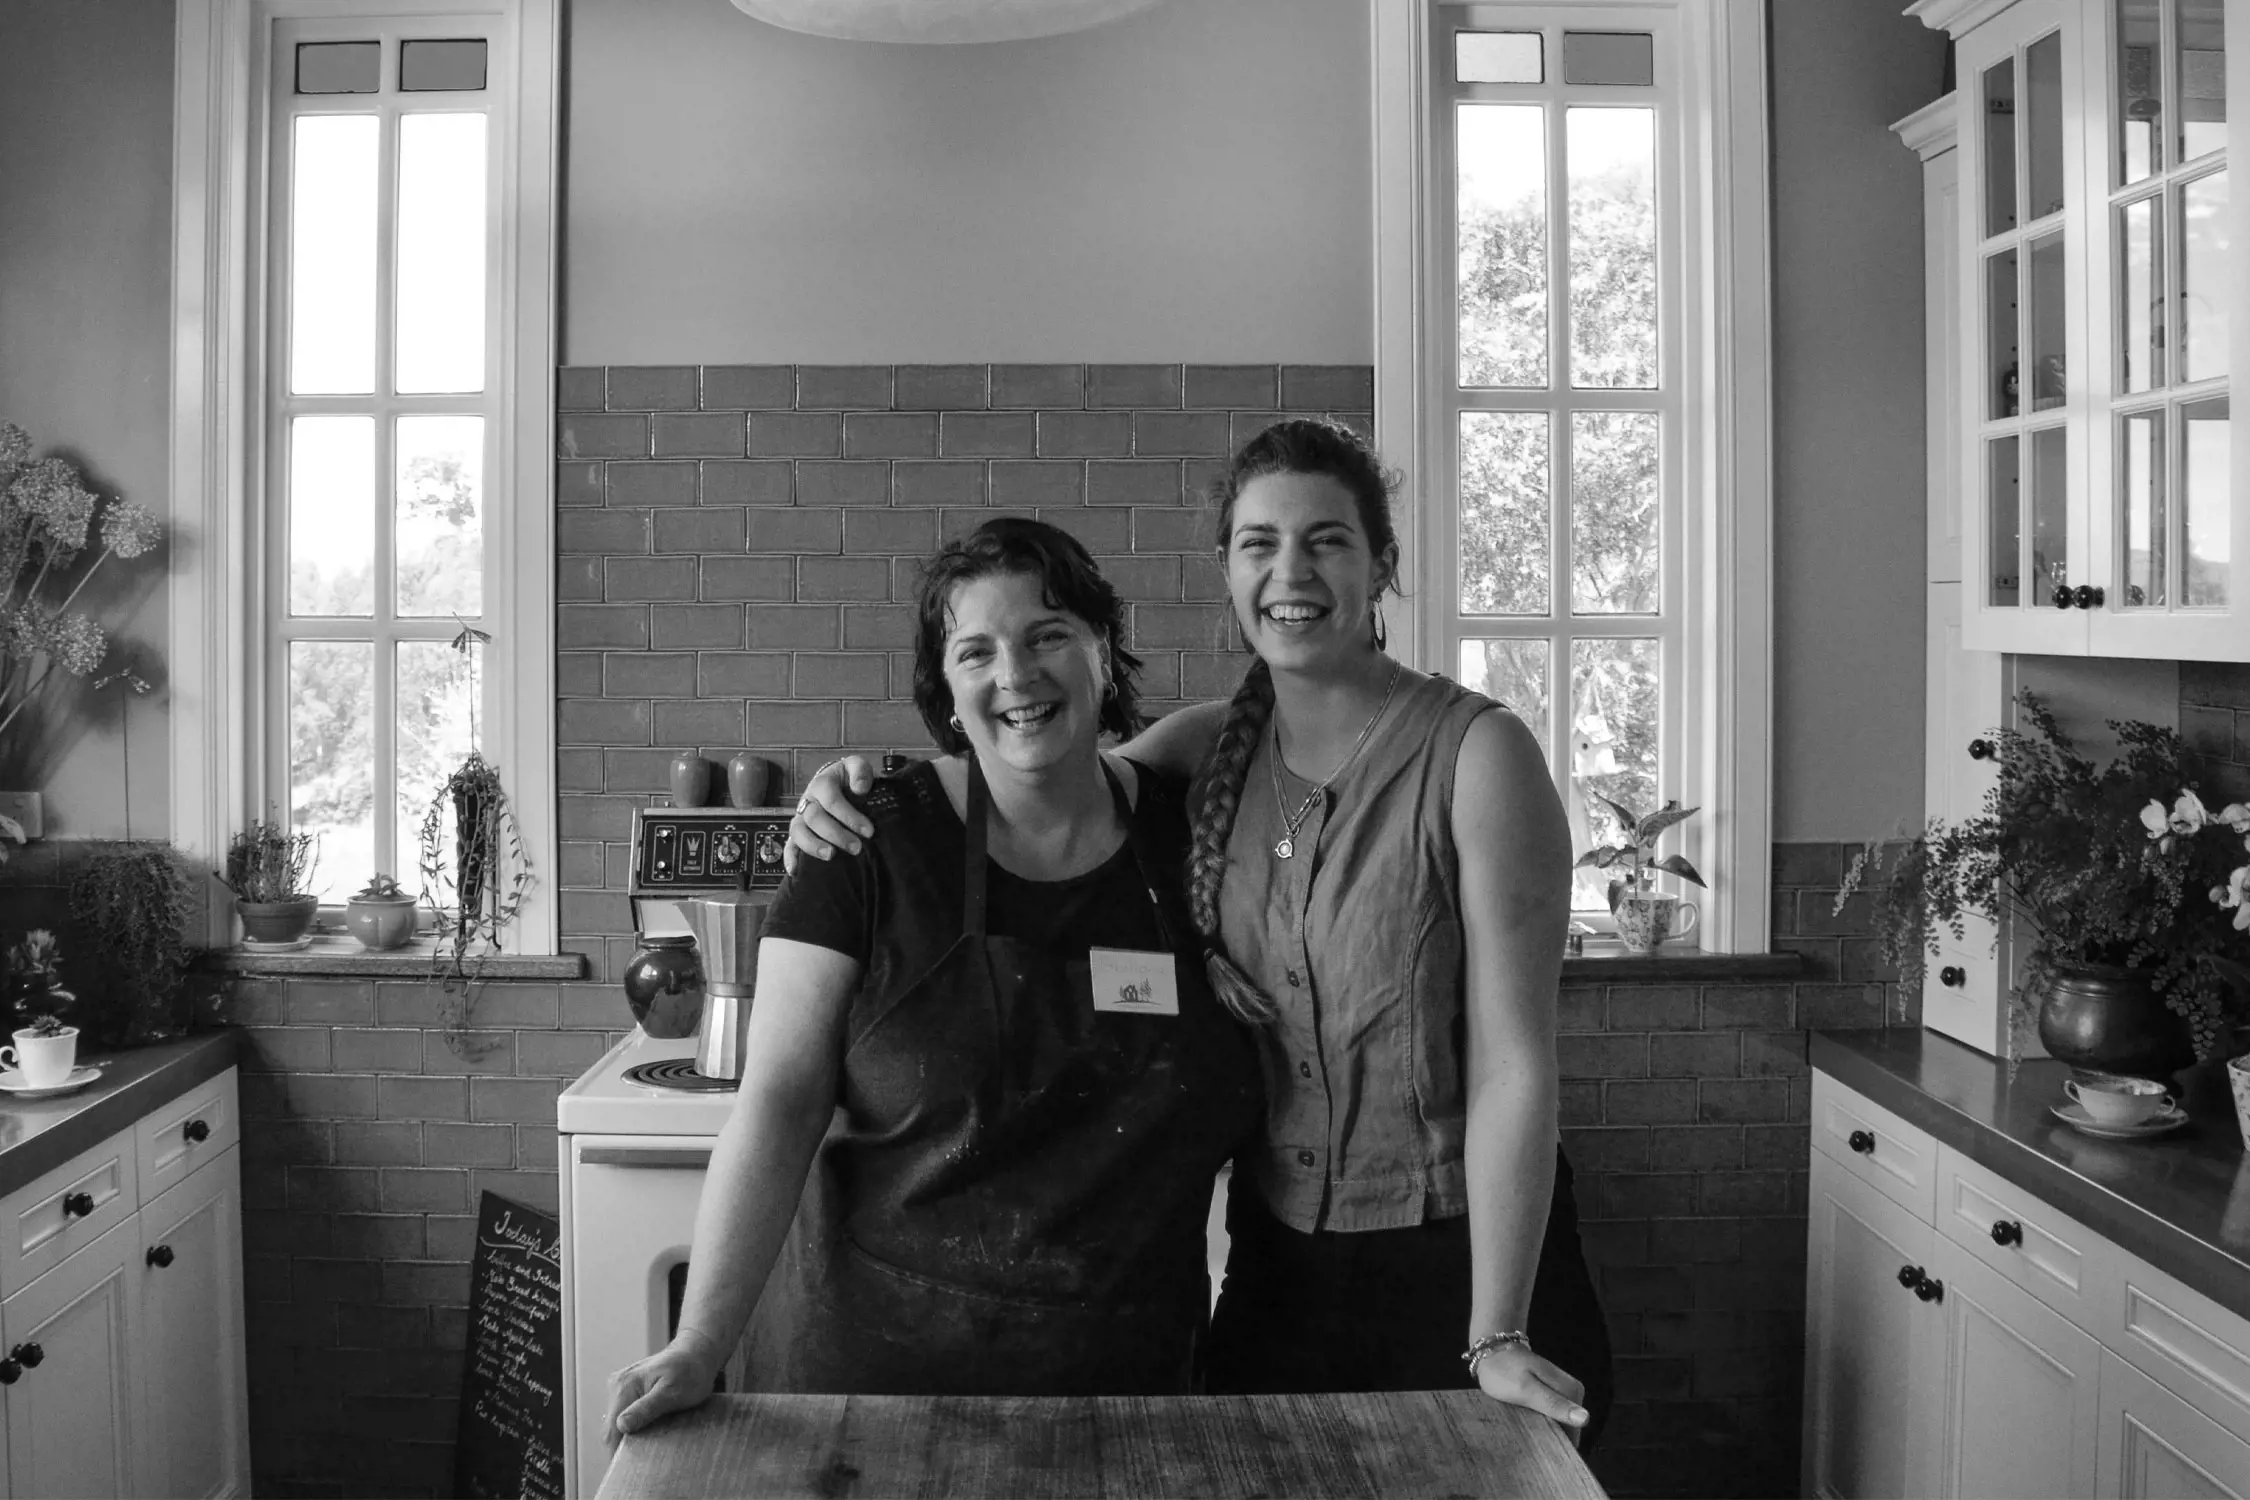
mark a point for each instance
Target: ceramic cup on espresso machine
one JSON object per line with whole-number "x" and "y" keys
{"x": 725, "y": 924}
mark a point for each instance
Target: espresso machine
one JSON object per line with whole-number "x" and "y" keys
{"x": 707, "y": 873}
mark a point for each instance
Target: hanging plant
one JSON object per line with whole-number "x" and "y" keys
{"x": 488, "y": 879}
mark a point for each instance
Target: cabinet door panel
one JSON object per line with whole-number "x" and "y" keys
{"x": 2019, "y": 1389}
{"x": 1866, "y": 1341}
{"x": 1961, "y": 986}
{"x": 174, "y": 1139}
{"x": 191, "y": 1366}
{"x": 2155, "y": 1445}
{"x": 70, "y": 1418}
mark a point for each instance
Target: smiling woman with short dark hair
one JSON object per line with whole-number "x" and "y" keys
{"x": 984, "y": 1050}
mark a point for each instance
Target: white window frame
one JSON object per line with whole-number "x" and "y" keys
{"x": 1717, "y": 708}
{"x": 224, "y": 727}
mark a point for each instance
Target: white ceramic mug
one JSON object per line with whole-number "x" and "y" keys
{"x": 44, "y": 1061}
{"x": 2114, "y": 1100}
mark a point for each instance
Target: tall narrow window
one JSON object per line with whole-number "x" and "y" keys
{"x": 380, "y": 432}
{"x": 1564, "y": 407}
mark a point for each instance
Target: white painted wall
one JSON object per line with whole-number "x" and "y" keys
{"x": 1848, "y": 418}
{"x": 85, "y": 318}
{"x": 1187, "y": 184}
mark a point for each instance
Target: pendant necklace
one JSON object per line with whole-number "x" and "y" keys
{"x": 1286, "y": 845}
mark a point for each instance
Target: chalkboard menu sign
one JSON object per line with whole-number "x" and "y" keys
{"x": 510, "y": 1441}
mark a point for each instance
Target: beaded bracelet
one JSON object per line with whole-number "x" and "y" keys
{"x": 1491, "y": 1343}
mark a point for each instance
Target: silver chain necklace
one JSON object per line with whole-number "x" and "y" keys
{"x": 1286, "y": 845}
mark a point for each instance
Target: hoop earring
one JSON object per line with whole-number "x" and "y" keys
{"x": 958, "y": 726}
{"x": 1382, "y": 634}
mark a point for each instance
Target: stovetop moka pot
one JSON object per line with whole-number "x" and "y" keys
{"x": 726, "y": 926}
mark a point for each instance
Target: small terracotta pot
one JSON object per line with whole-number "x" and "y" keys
{"x": 381, "y": 923}
{"x": 277, "y": 921}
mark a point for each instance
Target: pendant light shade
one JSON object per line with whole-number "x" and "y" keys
{"x": 939, "y": 20}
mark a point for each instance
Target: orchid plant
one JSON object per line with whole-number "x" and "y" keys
{"x": 2091, "y": 862}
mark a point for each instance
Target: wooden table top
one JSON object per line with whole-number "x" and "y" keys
{"x": 1370, "y": 1446}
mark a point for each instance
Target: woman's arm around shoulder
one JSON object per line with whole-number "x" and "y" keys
{"x": 1176, "y": 744}
{"x": 793, "y": 1059}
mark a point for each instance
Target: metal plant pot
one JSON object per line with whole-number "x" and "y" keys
{"x": 2109, "y": 1020}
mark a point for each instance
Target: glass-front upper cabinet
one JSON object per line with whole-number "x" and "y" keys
{"x": 2105, "y": 315}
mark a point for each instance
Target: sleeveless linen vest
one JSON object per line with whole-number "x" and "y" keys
{"x": 1357, "y": 938}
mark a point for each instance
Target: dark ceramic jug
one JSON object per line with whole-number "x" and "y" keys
{"x": 2108, "y": 1020}
{"x": 664, "y": 985}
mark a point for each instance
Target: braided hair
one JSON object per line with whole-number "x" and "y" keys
{"x": 1298, "y": 446}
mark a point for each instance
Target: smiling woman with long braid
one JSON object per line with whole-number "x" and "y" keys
{"x": 1380, "y": 875}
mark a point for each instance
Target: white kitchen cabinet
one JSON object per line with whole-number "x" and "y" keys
{"x": 1866, "y": 1341}
{"x": 2016, "y": 1387}
{"x": 1971, "y": 1340}
{"x": 2101, "y": 312}
{"x": 2154, "y": 1446}
{"x": 121, "y": 1347}
{"x": 194, "y": 1439}
{"x": 68, "y": 1337}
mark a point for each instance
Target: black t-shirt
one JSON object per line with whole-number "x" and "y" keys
{"x": 896, "y": 905}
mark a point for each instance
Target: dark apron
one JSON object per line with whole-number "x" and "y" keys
{"x": 1012, "y": 1198}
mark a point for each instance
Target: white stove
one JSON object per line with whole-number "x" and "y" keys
{"x": 633, "y": 1155}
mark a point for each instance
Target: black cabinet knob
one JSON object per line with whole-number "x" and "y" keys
{"x": 160, "y": 1256}
{"x": 1862, "y": 1141}
{"x": 10, "y": 1372}
{"x": 1910, "y": 1276}
{"x": 196, "y": 1131}
{"x": 1980, "y": 750}
{"x": 2006, "y": 1232}
{"x": 27, "y": 1355}
{"x": 1952, "y": 976}
{"x": 2066, "y": 598}
{"x": 77, "y": 1205}
{"x": 1930, "y": 1289}
{"x": 2091, "y": 596}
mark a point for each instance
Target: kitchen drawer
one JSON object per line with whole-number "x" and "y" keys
{"x": 2053, "y": 1257}
{"x": 56, "y": 1213}
{"x": 174, "y": 1139}
{"x": 2181, "y": 1339}
{"x": 1895, "y": 1158}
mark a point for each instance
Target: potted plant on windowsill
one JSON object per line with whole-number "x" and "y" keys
{"x": 1645, "y": 916}
{"x": 2132, "y": 894}
{"x": 269, "y": 869}
{"x": 380, "y": 915}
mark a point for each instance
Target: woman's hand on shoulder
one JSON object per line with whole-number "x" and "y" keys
{"x": 1518, "y": 1376}
{"x": 677, "y": 1377}
{"x": 826, "y": 818}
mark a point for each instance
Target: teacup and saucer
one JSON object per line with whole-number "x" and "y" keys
{"x": 2117, "y": 1107}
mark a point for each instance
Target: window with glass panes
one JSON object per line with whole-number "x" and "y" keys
{"x": 381, "y": 418}
{"x": 1558, "y": 388}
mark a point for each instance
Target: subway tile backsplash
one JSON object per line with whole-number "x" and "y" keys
{"x": 738, "y": 549}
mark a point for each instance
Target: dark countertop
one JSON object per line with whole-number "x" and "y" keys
{"x": 39, "y": 1135}
{"x": 2181, "y": 1202}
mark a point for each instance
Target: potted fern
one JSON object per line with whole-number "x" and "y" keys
{"x": 269, "y": 869}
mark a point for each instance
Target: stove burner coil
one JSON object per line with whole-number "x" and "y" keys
{"x": 678, "y": 1073}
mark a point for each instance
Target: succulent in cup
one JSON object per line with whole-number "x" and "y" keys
{"x": 379, "y": 888}
{"x": 30, "y": 967}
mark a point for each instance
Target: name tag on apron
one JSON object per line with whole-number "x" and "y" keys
{"x": 1131, "y": 982}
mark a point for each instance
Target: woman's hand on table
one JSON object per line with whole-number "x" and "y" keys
{"x": 675, "y": 1378}
{"x": 826, "y": 819}
{"x": 1516, "y": 1375}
